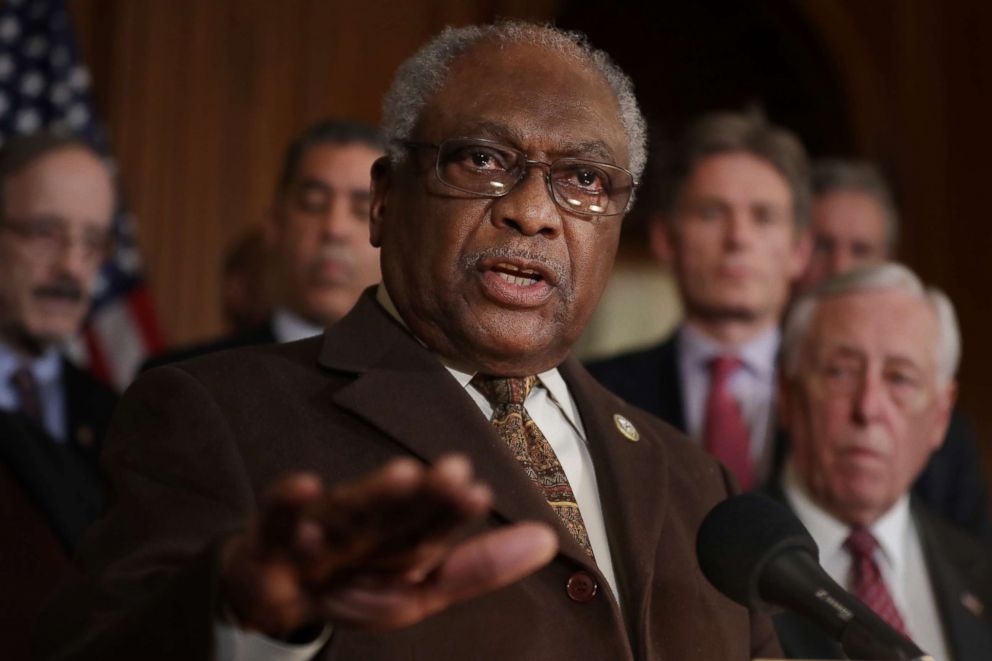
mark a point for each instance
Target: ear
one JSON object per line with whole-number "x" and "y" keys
{"x": 801, "y": 252}
{"x": 946, "y": 396}
{"x": 661, "y": 235}
{"x": 382, "y": 173}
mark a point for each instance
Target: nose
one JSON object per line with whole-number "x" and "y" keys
{"x": 869, "y": 399}
{"x": 75, "y": 258}
{"x": 337, "y": 221}
{"x": 842, "y": 260}
{"x": 529, "y": 208}
{"x": 737, "y": 229}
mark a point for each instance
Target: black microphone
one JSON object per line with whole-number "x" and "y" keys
{"x": 755, "y": 551}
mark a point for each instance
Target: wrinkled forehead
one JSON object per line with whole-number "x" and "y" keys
{"x": 540, "y": 100}
{"x": 878, "y": 325}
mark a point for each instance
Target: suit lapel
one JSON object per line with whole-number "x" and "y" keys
{"x": 405, "y": 392}
{"x": 632, "y": 479}
{"x": 671, "y": 407}
{"x": 968, "y": 636}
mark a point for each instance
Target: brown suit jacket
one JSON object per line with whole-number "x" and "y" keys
{"x": 193, "y": 446}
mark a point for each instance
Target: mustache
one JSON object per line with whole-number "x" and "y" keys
{"x": 339, "y": 254}
{"x": 67, "y": 290}
{"x": 471, "y": 262}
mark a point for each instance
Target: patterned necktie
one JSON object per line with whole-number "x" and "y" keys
{"x": 531, "y": 449}
{"x": 28, "y": 398}
{"x": 866, "y": 579}
{"x": 725, "y": 434}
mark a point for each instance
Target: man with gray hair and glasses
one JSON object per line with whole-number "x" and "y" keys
{"x": 56, "y": 204}
{"x": 434, "y": 478}
{"x": 866, "y": 391}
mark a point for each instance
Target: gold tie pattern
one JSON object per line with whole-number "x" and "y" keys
{"x": 531, "y": 449}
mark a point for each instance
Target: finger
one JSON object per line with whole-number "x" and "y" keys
{"x": 493, "y": 560}
{"x": 398, "y": 519}
{"x": 282, "y": 509}
{"x": 481, "y": 565}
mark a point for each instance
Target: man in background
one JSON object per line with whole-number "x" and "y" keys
{"x": 867, "y": 389}
{"x": 317, "y": 233}
{"x": 56, "y": 205}
{"x": 733, "y": 210}
{"x": 855, "y": 223}
{"x": 854, "y": 219}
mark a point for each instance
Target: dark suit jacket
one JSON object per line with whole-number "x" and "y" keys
{"x": 194, "y": 445}
{"x": 960, "y": 566}
{"x": 261, "y": 334}
{"x": 952, "y": 482}
{"x": 49, "y": 493}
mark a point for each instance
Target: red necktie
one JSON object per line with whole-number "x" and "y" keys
{"x": 866, "y": 579}
{"x": 725, "y": 434}
{"x": 26, "y": 387}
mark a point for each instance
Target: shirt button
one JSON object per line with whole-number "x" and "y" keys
{"x": 581, "y": 587}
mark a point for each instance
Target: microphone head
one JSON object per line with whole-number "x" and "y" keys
{"x": 740, "y": 536}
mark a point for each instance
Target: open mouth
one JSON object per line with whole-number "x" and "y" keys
{"x": 522, "y": 277}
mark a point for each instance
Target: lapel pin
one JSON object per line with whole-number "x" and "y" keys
{"x": 626, "y": 427}
{"x": 973, "y": 604}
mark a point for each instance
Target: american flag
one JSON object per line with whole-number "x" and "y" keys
{"x": 44, "y": 84}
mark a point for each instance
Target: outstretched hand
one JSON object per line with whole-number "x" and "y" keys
{"x": 378, "y": 553}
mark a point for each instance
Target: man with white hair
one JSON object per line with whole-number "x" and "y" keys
{"x": 866, "y": 390}
{"x": 301, "y": 501}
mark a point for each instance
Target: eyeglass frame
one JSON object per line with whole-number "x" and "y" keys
{"x": 526, "y": 164}
{"x": 23, "y": 229}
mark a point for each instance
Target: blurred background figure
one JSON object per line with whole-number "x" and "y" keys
{"x": 56, "y": 205}
{"x": 733, "y": 206}
{"x": 867, "y": 389}
{"x": 854, "y": 221}
{"x": 317, "y": 233}
{"x": 246, "y": 296}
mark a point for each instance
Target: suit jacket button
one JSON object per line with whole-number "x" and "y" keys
{"x": 581, "y": 587}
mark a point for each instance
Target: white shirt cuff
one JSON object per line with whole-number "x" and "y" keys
{"x": 232, "y": 643}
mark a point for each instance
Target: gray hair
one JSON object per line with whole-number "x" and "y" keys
{"x": 884, "y": 276}
{"x": 833, "y": 175}
{"x": 732, "y": 132}
{"x": 424, "y": 73}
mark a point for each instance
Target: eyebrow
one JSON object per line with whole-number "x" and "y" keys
{"x": 592, "y": 149}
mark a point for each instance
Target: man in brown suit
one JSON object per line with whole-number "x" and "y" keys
{"x": 498, "y": 209}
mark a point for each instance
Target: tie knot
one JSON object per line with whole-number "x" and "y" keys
{"x": 861, "y": 543}
{"x": 23, "y": 379}
{"x": 500, "y": 390}
{"x": 722, "y": 367}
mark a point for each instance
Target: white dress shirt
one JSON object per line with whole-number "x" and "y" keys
{"x": 289, "y": 327}
{"x": 553, "y": 410}
{"x": 47, "y": 371}
{"x": 899, "y": 557}
{"x": 752, "y": 386}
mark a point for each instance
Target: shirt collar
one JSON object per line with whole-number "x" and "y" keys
{"x": 551, "y": 379}
{"x": 758, "y": 355}
{"x": 829, "y": 533}
{"x": 289, "y": 327}
{"x": 46, "y": 368}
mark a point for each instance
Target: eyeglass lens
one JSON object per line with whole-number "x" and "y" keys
{"x": 580, "y": 186}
